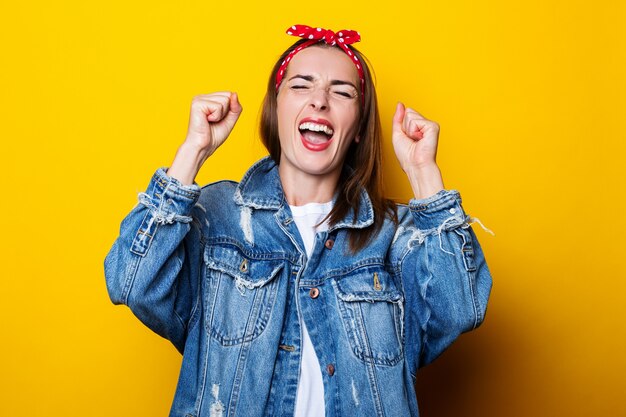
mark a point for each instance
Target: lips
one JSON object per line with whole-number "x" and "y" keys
{"x": 316, "y": 134}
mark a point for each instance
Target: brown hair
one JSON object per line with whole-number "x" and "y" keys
{"x": 362, "y": 168}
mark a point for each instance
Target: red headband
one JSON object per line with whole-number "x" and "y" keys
{"x": 343, "y": 38}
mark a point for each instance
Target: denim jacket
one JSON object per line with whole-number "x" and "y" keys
{"x": 222, "y": 273}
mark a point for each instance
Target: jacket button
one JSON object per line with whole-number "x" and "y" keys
{"x": 314, "y": 292}
{"x": 331, "y": 369}
{"x": 329, "y": 244}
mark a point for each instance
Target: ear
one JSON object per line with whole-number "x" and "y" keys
{"x": 357, "y": 139}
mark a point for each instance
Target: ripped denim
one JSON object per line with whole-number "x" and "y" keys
{"x": 222, "y": 273}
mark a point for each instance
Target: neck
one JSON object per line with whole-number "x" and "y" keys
{"x": 301, "y": 188}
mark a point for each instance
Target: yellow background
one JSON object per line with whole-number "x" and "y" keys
{"x": 531, "y": 100}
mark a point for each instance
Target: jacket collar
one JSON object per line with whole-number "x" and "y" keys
{"x": 260, "y": 189}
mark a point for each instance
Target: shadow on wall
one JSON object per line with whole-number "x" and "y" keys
{"x": 470, "y": 378}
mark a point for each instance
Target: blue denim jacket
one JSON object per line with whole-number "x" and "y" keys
{"x": 222, "y": 273}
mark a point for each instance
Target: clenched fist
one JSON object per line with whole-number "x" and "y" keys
{"x": 211, "y": 119}
{"x": 415, "y": 140}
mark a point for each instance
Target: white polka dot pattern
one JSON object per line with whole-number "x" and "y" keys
{"x": 314, "y": 35}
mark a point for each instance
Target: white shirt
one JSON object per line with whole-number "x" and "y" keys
{"x": 310, "y": 395}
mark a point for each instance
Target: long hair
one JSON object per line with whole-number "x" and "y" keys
{"x": 362, "y": 168}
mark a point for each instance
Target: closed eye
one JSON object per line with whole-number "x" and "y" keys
{"x": 343, "y": 94}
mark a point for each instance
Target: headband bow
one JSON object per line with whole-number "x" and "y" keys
{"x": 343, "y": 38}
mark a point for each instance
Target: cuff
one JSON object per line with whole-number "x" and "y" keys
{"x": 169, "y": 198}
{"x": 442, "y": 211}
{"x": 168, "y": 201}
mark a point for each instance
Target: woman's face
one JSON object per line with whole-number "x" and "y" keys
{"x": 318, "y": 111}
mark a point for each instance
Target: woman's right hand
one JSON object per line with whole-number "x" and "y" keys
{"x": 212, "y": 118}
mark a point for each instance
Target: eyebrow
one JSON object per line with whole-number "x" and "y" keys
{"x": 310, "y": 78}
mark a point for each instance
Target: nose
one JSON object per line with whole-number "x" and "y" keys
{"x": 319, "y": 99}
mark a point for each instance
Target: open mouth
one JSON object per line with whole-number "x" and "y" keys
{"x": 315, "y": 136}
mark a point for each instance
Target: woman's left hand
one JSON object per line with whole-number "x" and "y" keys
{"x": 414, "y": 139}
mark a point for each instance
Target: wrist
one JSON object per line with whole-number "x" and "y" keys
{"x": 425, "y": 180}
{"x": 188, "y": 161}
{"x": 193, "y": 150}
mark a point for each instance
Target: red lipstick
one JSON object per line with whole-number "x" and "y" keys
{"x": 316, "y": 146}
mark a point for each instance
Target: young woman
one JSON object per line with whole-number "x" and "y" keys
{"x": 301, "y": 290}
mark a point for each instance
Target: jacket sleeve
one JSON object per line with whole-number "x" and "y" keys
{"x": 445, "y": 278}
{"x": 153, "y": 264}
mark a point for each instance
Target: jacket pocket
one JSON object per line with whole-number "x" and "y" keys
{"x": 372, "y": 311}
{"x": 241, "y": 296}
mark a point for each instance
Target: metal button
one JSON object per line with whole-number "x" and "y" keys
{"x": 331, "y": 369}
{"x": 329, "y": 244}
{"x": 377, "y": 285}
{"x": 243, "y": 267}
{"x": 314, "y": 292}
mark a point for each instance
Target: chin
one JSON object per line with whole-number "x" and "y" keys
{"x": 317, "y": 165}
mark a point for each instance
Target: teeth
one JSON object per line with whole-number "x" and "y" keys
{"x": 315, "y": 127}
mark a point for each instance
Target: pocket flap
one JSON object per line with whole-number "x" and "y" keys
{"x": 368, "y": 285}
{"x": 248, "y": 271}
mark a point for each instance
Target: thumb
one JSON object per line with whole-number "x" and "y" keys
{"x": 235, "y": 106}
{"x": 234, "y": 110}
{"x": 398, "y": 117}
